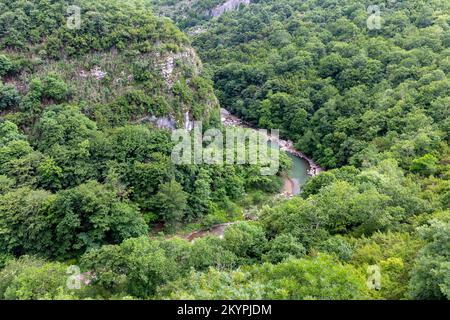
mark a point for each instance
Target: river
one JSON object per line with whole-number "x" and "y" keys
{"x": 303, "y": 167}
{"x": 298, "y": 175}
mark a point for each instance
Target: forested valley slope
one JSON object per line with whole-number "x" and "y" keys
{"x": 87, "y": 185}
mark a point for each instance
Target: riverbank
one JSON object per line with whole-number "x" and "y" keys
{"x": 291, "y": 186}
{"x": 230, "y": 120}
{"x": 288, "y": 186}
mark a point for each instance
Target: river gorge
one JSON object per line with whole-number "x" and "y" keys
{"x": 303, "y": 167}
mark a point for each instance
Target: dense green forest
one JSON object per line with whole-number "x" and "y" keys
{"x": 87, "y": 183}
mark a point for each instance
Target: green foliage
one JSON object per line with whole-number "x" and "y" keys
{"x": 5, "y": 258}
{"x": 13, "y": 268}
{"x": 9, "y": 132}
{"x": 246, "y": 240}
{"x": 63, "y": 125}
{"x": 334, "y": 87}
{"x": 426, "y": 165}
{"x": 313, "y": 186}
{"x": 90, "y": 215}
{"x": 210, "y": 252}
{"x": 430, "y": 276}
{"x": 30, "y": 278}
{"x": 49, "y": 174}
{"x": 32, "y": 101}
{"x": 93, "y": 34}
{"x": 136, "y": 267}
{"x": 5, "y": 65}
{"x": 295, "y": 217}
{"x": 18, "y": 161}
{"x": 54, "y": 88}
{"x": 145, "y": 179}
{"x": 317, "y": 278}
{"x": 6, "y": 184}
{"x": 75, "y": 219}
{"x": 74, "y": 65}
{"x": 91, "y": 179}
{"x": 201, "y": 197}
{"x": 171, "y": 201}
{"x": 283, "y": 247}
{"x": 394, "y": 254}
{"x": 9, "y": 97}
{"x": 357, "y": 203}
{"x": 42, "y": 282}
{"x": 338, "y": 246}
{"x": 24, "y": 224}
{"x": 214, "y": 285}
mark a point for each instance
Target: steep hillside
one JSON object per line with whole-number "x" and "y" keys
{"x": 86, "y": 116}
{"x": 363, "y": 88}
{"x": 89, "y": 191}
{"x": 343, "y": 88}
{"x": 126, "y": 56}
{"x": 190, "y": 15}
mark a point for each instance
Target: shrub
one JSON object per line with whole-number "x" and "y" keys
{"x": 9, "y": 97}
{"x": 5, "y": 65}
{"x": 284, "y": 247}
{"x": 55, "y": 88}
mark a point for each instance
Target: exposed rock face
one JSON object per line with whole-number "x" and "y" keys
{"x": 188, "y": 123}
{"x": 171, "y": 72}
{"x": 229, "y": 5}
{"x": 168, "y": 123}
{"x": 95, "y": 72}
{"x": 196, "y": 31}
{"x": 160, "y": 122}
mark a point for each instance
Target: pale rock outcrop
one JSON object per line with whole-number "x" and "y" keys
{"x": 167, "y": 64}
{"x": 229, "y": 5}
